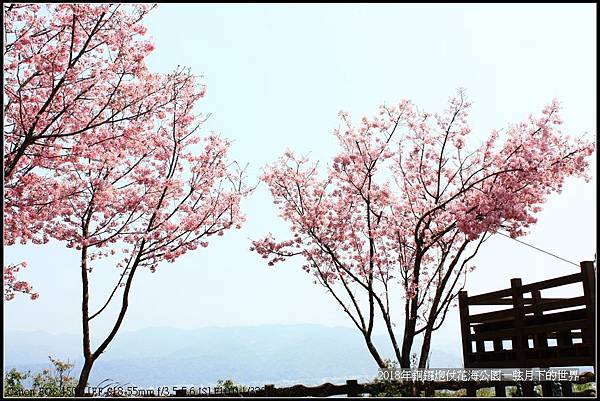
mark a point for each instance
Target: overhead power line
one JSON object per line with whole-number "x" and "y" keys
{"x": 536, "y": 248}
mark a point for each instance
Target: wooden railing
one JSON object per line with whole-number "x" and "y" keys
{"x": 528, "y": 325}
{"x": 353, "y": 389}
{"x": 519, "y": 336}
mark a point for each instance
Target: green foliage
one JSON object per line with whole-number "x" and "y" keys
{"x": 514, "y": 391}
{"x": 517, "y": 391}
{"x": 486, "y": 392}
{"x": 228, "y": 386}
{"x": 391, "y": 389}
{"x": 578, "y": 388}
{"x": 451, "y": 393}
{"x": 13, "y": 382}
{"x": 54, "y": 382}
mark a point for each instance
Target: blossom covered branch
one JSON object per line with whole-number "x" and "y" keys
{"x": 405, "y": 203}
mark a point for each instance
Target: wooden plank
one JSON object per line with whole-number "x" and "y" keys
{"x": 505, "y": 334}
{"x": 498, "y": 301}
{"x": 494, "y": 316}
{"x": 493, "y": 326}
{"x": 508, "y": 301}
{"x": 573, "y": 335}
{"x": 533, "y": 320}
{"x": 502, "y": 355}
{"x": 555, "y": 326}
{"x": 534, "y": 363}
{"x": 553, "y": 282}
{"x": 557, "y": 317}
{"x": 558, "y": 304}
{"x": 476, "y": 299}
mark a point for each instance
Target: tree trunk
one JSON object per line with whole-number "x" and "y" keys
{"x": 85, "y": 299}
{"x": 84, "y": 377}
{"x": 392, "y": 336}
{"x": 13, "y": 163}
{"x": 409, "y": 335}
{"x": 85, "y": 327}
{"x": 425, "y": 348}
{"x": 375, "y": 354}
{"x": 435, "y": 307}
{"x": 410, "y": 325}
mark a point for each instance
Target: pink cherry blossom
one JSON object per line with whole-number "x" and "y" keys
{"x": 103, "y": 155}
{"x": 404, "y": 203}
{"x": 12, "y": 285}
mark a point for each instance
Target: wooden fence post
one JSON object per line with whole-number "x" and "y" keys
{"x": 500, "y": 390}
{"x": 471, "y": 389}
{"x": 540, "y": 341}
{"x": 520, "y": 339}
{"x": 567, "y": 389}
{"x": 518, "y": 305}
{"x": 352, "y": 388}
{"x": 430, "y": 389}
{"x": 465, "y": 327}
{"x": 269, "y": 390}
{"x": 588, "y": 280}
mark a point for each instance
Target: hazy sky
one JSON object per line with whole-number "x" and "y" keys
{"x": 277, "y": 75}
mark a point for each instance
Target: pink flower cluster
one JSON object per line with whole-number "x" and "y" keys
{"x": 404, "y": 190}
{"x": 98, "y": 151}
{"x": 12, "y": 285}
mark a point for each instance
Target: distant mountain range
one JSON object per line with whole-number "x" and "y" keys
{"x": 252, "y": 355}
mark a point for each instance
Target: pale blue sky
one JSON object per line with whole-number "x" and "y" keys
{"x": 277, "y": 76}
